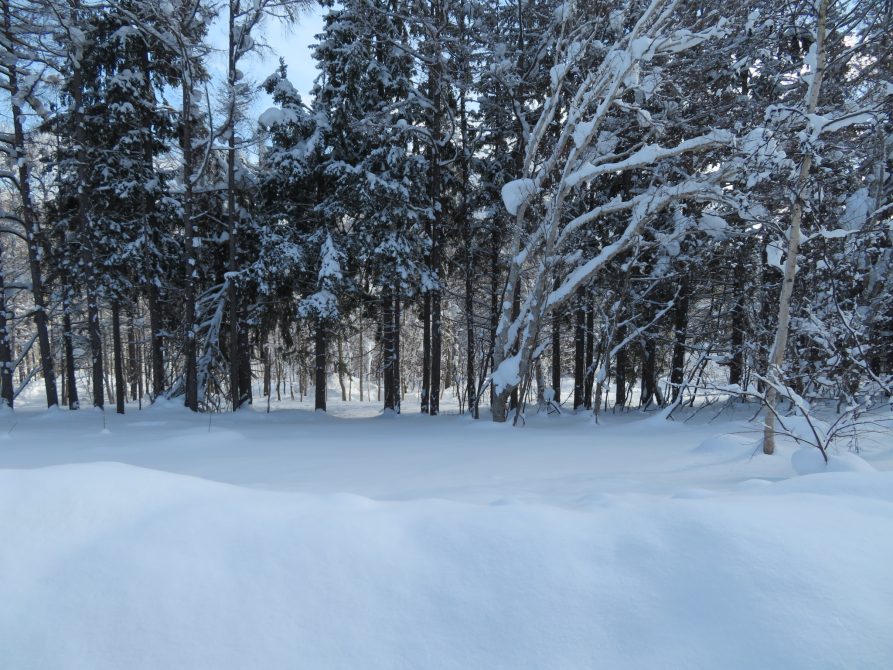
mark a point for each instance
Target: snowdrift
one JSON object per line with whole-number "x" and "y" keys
{"x": 106, "y": 565}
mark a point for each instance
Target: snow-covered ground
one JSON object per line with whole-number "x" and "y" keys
{"x": 163, "y": 539}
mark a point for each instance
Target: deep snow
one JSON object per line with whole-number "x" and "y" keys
{"x": 299, "y": 540}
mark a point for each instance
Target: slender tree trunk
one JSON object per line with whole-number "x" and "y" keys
{"x": 556, "y": 353}
{"x": 118, "y": 354}
{"x": 398, "y": 376}
{"x": 389, "y": 358}
{"x": 68, "y": 337}
{"x": 232, "y": 292}
{"x": 245, "y": 378}
{"x": 425, "y": 391}
{"x": 341, "y": 369}
{"x": 494, "y": 313}
{"x": 776, "y": 357}
{"x": 579, "y": 350}
{"x": 94, "y": 329}
{"x": 320, "y": 342}
{"x": 590, "y": 351}
{"x": 362, "y": 363}
{"x": 190, "y": 260}
{"x": 133, "y": 363}
{"x": 29, "y": 222}
{"x": 6, "y": 390}
{"x": 268, "y": 372}
{"x": 620, "y": 370}
{"x": 649, "y": 371}
{"x": 738, "y": 327}
{"x": 680, "y": 330}
{"x": 470, "y": 387}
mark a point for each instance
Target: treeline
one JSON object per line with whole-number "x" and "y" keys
{"x": 480, "y": 196}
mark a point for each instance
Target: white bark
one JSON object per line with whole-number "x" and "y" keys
{"x": 776, "y": 357}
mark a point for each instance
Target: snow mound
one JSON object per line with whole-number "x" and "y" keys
{"x": 808, "y": 460}
{"x": 736, "y": 447}
{"x": 111, "y": 566}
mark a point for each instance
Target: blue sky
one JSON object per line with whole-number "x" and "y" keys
{"x": 290, "y": 42}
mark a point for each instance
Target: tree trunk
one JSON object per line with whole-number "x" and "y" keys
{"x": 133, "y": 363}
{"x": 190, "y": 260}
{"x": 590, "y": 351}
{"x": 319, "y": 364}
{"x": 232, "y": 291}
{"x": 649, "y": 371}
{"x": 118, "y": 354}
{"x": 389, "y": 358}
{"x": 556, "y": 355}
{"x": 362, "y": 363}
{"x": 29, "y": 223}
{"x": 68, "y": 337}
{"x": 156, "y": 342}
{"x": 245, "y": 379}
{"x": 426, "y": 352}
{"x": 776, "y": 357}
{"x": 680, "y": 330}
{"x": 268, "y": 372}
{"x": 341, "y": 369}
{"x": 738, "y": 327}
{"x": 620, "y": 371}
{"x": 398, "y": 377}
{"x": 579, "y": 350}
{"x": 6, "y": 390}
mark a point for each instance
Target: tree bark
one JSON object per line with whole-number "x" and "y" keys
{"x": 29, "y": 223}
{"x": 776, "y": 357}
{"x": 118, "y": 355}
{"x": 192, "y": 244}
{"x": 320, "y": 341}
{"x": 389, "y": 356}
{"x": 232, "y": 292}
{"x": 590, "y": 351}
{"x": 680, "y": 330}
{"x": 579, "y": 350}
{"x": 6, "y": 390}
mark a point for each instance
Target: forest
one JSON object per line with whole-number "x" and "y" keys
{"x": 662, "y": 199}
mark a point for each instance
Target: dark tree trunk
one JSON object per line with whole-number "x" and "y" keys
{"x": 156, "y": 342}
{"x": 6, "y": 390}
{"x": 620, "y": 370}
{"x": 494, "y": 300}
{"x": 436, "y": 351}
{"x": 29, "y": 222}
{"x": 133, "y": 362}
{"x": 470, "y": 387}
{"x": 118, "y": 355}
{"x": 94, "y": 331}
{"x": 556, "y": 354}
{"x": 245, "y": 393}
{"x": 516, "y": 310}
{"x": 680, "y": 330}
{"x": 649, "y": 371}
{"x": 68, "y": 338}
{"x": 95, "y": 335}
{"x": 426, "y": 352}
{"x": 232, "y": 292}
{"x": 388, "y": 353}
{"x": 268, "y": 373}
{"x": 739, "y": 327}
{"x": 190, "y": 260}
{"x": 341, "y": 368}
{"x": 590, "y": 352}
{"x": 579, "y": 350}
{"x": 320, "y": 341}
{"x": 396, "y": 349}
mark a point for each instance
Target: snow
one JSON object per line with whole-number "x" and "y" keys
{"x": 517, "y": 192}
{"x": 345, "y": 541}
{"x": 275, "y": 116}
